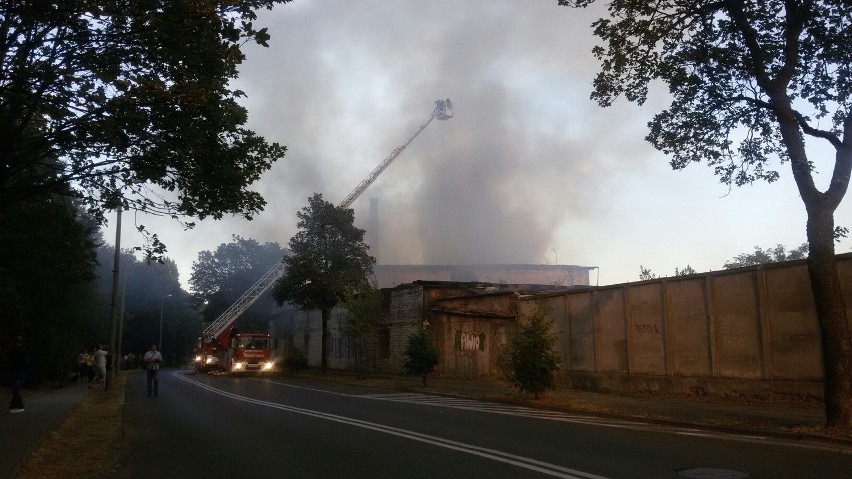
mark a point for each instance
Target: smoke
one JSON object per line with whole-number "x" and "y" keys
{"x": 344, "y": 83}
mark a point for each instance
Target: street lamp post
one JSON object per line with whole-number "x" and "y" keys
{"x": 162, "y": 304}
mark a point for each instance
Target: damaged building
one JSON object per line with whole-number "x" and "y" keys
{"x": 744, "y": 331}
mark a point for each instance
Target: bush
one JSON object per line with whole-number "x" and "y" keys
{"x": 422, "y": 355}
{"x": 295, "y": 361}
{"x": 529, "y": 360}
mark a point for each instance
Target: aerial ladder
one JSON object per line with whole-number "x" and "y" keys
{"x": 219, "y": 330}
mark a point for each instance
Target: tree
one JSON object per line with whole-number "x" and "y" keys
{"x": 422, "y": 355}
{"x": 47, "y": 268}
{"x": 129, "y": 103}
{"x": 765, "y": 256}
{"x": 645, "y": 273}
{"x": 529, "y": 360}
{"x": 364, "y": 309}
{"x": 686, "y": 271}
{"x": 750, "y": 81}
{"x": 220, "y": 278}
{"x": 328, "y": 261}
{"x": 147, "y": 289}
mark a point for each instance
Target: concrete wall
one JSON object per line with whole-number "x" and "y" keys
{"x": 740, "y": 327}
{"x": 469, "y": 332}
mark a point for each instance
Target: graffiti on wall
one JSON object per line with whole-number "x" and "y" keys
{"x": 470, "y": 341}
{"x": 646, "y": 328}
{"x": 733, "y": 330}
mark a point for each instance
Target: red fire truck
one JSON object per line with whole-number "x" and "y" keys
{"x": 235, "y": 352}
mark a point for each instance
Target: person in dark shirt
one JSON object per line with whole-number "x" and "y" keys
{"x": 18, "y": 366}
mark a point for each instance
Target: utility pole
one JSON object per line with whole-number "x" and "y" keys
{"x": 114, "y": 302}
{"x": 160, "y": 340}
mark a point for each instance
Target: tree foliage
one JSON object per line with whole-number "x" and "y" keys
{"x": 109, "y": 101}
{"x": 421, "y": 355}
{"x": 47, "y": 271}
{"x": 769, "y": 255}
{"x": 529, "y": 360}
{"x": 749, "y": 82}
{"x": 221, "y": 277}
{"x": 328, "y": 261}
{"x": 363, "y": 314}
{"x": 645, "y": 274}
{"x": 148, "y": 290}
{"x": 686, "y": 271}
{"x": 295, "y": 361}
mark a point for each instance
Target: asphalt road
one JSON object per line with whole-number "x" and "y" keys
{"x": 218, "y": 426}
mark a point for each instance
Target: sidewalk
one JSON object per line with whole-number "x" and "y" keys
{"x": 45, "y": 409}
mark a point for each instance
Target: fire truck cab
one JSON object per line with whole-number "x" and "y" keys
{"x": 250, "y": 352}
{"x": 242, "y": 352}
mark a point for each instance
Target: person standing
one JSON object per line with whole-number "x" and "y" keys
{"x": 152, "y": 359}
{"x": 18, "y": 365}
{"x": 100, "y": 364}
{"x": 82, "y": 370}
{"x": 90, "y": 368}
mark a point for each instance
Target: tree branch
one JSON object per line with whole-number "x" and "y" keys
{"x": 800, "y": 119}
{"x": 757, "y": 60}
{"x": 795, "y": 22}
{"x": 815, "y": 132}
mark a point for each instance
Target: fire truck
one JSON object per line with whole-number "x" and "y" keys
{"x": 221, "y": 347}
{"x": 245, "y": 352}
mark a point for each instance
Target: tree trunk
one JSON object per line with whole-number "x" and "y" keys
{"x": 326, "y": 313}
{"x": 831, "y": 311}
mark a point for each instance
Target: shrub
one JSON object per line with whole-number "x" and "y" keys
{"x": 422, "y": 355}
{"x": 529, "y": 360}
{"x": 295, "y": 361}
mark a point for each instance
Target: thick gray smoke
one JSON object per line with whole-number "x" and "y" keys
{"x": 344, "y": 83}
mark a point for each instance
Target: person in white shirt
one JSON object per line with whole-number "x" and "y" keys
{"x": 152, "y": 360}
{"x": 100, "y": 364}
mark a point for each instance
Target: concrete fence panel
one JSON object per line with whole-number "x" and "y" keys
{"x": 688, "y": 333}
{"x": 737, "y": 327}
{"x": 612, "y": 331}
{"x": 793, "y": 328}
{"x": 645, "y": 329}
{"x": 581, "y": 344}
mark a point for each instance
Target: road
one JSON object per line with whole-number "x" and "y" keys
{"x": 218, "y": 426}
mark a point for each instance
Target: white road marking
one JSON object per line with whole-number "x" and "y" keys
{"x": 492, "y": 454}
{"x": 638, "y": 425}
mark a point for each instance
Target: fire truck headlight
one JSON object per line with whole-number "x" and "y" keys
{"x": 212, "y": 360}
{"x": 267, "y": 366}
{"x": 238, "y": 366}
{"x": 197, "y": 359}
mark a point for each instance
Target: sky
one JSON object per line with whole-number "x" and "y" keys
{"x": 529, "y": 170}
